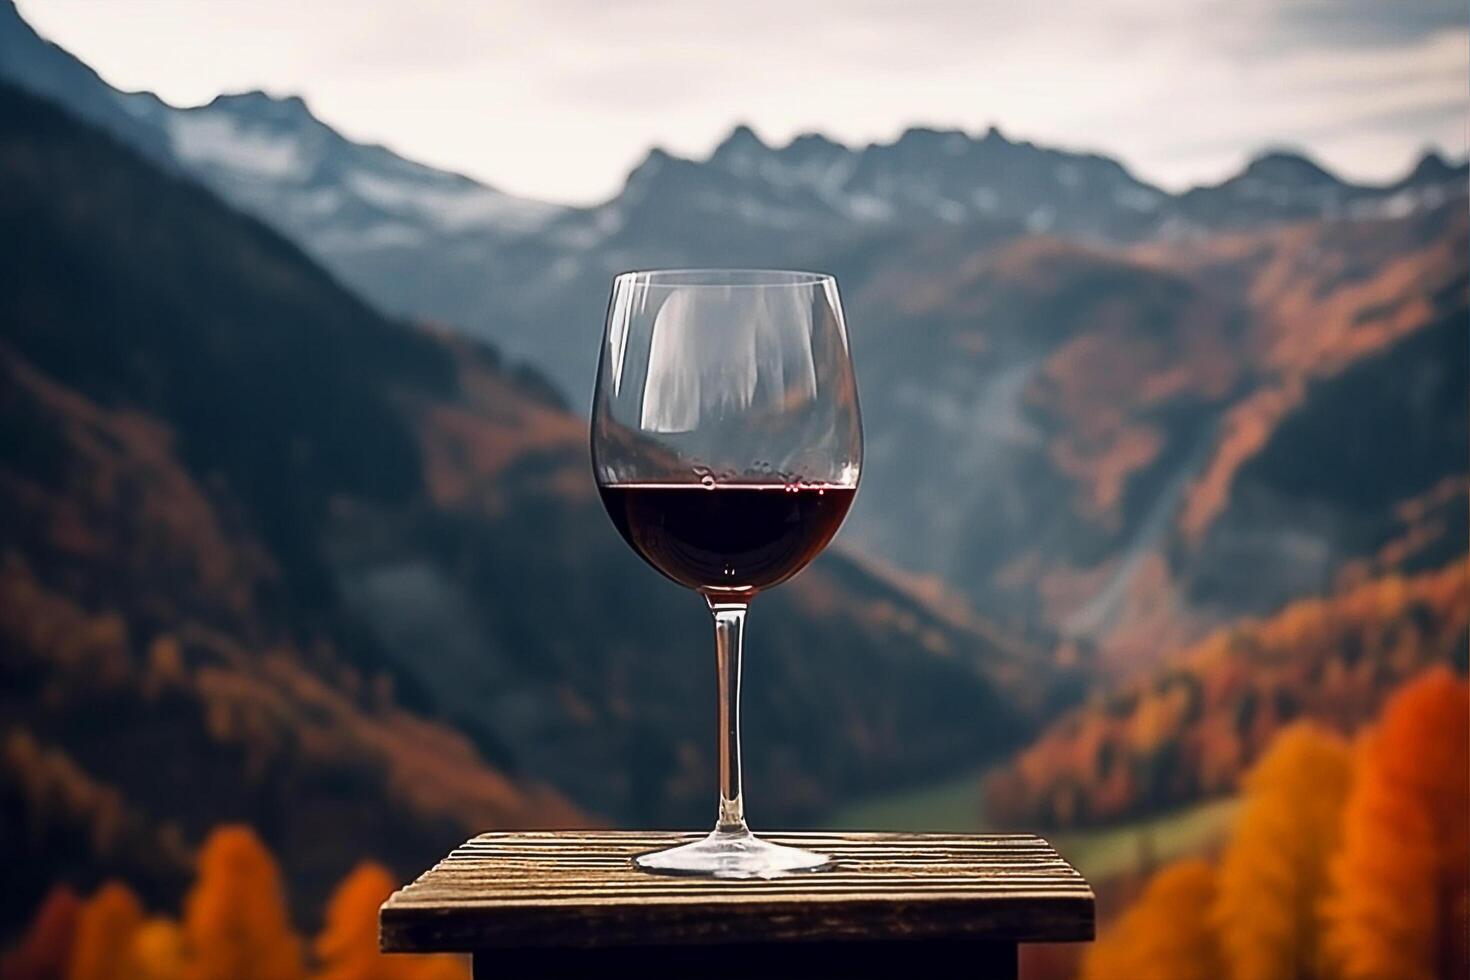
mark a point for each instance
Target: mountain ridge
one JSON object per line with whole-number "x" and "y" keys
{"x": 1189, "y": 729}
{"x": 23, "y": 44}
{"x": 428, "y": 584}
{"x": 423, "y": 243}
{"x": 944, "y": 201}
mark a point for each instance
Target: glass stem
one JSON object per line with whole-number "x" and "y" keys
{"x": 729, "y": 635}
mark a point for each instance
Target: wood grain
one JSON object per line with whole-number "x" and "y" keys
{"x": 579, "y": 890}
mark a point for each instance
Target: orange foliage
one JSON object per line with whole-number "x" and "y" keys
{"x": 1341, "y": 864}
{"x": 106, "y": 926}
{"x": 347, "y": 947}
{"x": 1244, "y": 430}
{"x": 1273, "y": 874}
{"x": 235, "y": 917}
{"x": 45, "y": 949}
{"x": 273, "y": 707}
{"x": 121, "y": 460}
{"x": 468, "y": 445}
{"x": 1102, "y": 383}
{"x": 1188, "y": 731}
{"x": 434, "y": 968}
{"x": 1166, "y": 935}
{"x": 1308, "y": 274}
{"x": 1403, "y": 877}
{"x": 157, "y": 951}
{"x": 235, "y": 928}
{"x": 1303, "y": 281}
{"x": 60, "y": 793}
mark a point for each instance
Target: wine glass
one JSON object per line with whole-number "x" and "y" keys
{"x": 727, "y": 444}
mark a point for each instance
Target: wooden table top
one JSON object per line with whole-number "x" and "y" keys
{"x": 561, "y": 889}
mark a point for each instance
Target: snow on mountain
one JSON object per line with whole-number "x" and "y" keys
{"x": 427, "y": 243}
{"x": 274, "y": 157}
{"x": 205, "y": 139}
{"x": 924, "y": 176}
{"x": 972, "y": 261}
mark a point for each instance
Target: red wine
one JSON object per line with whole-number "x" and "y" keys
{"x": 729, "y": 537}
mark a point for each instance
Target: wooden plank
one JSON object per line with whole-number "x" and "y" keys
{"x": 580, "y": 890}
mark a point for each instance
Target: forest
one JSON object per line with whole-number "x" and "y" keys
{"x": 1348, "y": 859}
{"x": 1189, "y": 730}
{"x": 234, "y": 925}
{"x": 1159, "y": 552}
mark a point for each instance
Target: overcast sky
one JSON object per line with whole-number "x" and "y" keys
{"x": 558, "y": 99}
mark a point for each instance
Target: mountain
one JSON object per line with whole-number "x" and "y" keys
{"x": 1275, "y": 185}
{"x": 1094, "y": 409}
{"x": 1134, "y": 445}
{"x": 352, "y": 205}
{"x": 1190, "y": 729}
{"x": 1072, "y": 379}
{"x": 275, "y": 159}
{"x": 28, "y": 60}
{"x": 924, "y": 177}
{"x": 533, "y": 277}
{"x": 173, "y": 410}
{"x": 276, "y": 558}
{"x": 816, "y": 203}
{"x": 1283, "y": 186}
{"x": 1432, "y": 170}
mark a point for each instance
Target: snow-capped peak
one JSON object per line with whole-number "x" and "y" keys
{"x": 270, "y": 152}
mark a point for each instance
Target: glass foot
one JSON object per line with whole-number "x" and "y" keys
{"x": 732, "y": 854}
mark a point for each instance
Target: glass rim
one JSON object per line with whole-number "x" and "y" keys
{"x": 715, "y": 278}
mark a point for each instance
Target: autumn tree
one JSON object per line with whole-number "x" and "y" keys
{"x": 235, "y": 928}
{"x": 157, "y": 951}
{"x": 104, "y": 934}
{"x": 235, "y": 924}
{"x": 1168, "y": 934}
{"x": 1274, "y": 872}
{"x": 1402, "y": 880}
{"x": 437, "y": 968}
{"x": 1189, "y": 731}
{"x": 347, "y": 947}
{"x": 45, "y": 950}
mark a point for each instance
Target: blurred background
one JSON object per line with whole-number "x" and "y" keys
{"x": 1159, "y": 312}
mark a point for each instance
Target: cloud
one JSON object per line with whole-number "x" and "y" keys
{"x": 1368, "y": 23}
{"x": 560, "y": 98}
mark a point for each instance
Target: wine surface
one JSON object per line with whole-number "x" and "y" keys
{"x": 729, "y": 537}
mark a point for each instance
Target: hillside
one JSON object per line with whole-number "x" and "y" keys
{"x": 171, "y": 655}
{"x": 1130, "y": 447}
{"x": 1090, "y": 404}
{"x": 1188, "y": 730}
{"x": 533, "y": 276}
{"x": 309, "y": 562}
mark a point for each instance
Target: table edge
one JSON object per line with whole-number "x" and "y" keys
{"x": 1064, "y": 914}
